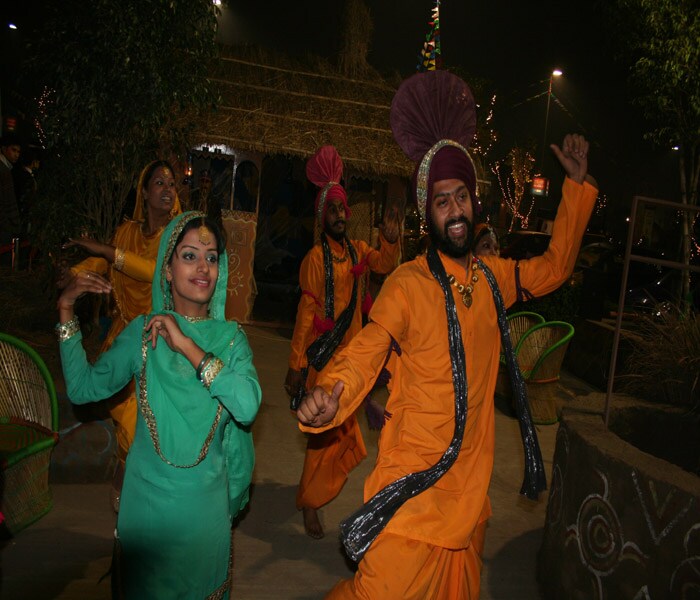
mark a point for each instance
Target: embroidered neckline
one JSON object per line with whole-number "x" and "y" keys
{"x": 150, "y": 418}
{"x": 196, "y": 319}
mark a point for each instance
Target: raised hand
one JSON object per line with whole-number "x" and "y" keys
{"x": 390, "y": 226}
{"x": 83, "y": 283}
{"x": 318, "y": 408}
{"x": 573, "y": 156}
{"x": 166, "y": 327}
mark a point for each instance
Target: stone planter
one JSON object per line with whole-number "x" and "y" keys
{"x": 621, "y": 523}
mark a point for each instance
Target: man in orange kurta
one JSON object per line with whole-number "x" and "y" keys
{"x": 431, "y": 546}
{"x": 331, "y": 456}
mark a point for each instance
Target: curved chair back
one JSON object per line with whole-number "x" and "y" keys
{"x": 27, "y": 390}
{"x": 520, "y": 322}
{"x": 541, "y": 350}
{"x": 28, "y": 433}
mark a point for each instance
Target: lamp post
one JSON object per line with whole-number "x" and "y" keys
{"x": 555, "y": 73}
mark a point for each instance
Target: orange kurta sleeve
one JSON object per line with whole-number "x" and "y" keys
{"x": 311, "y": 282}
{"x": 138, "y": 267}
{"x": 544, "y": 274}
{"x": 357, "y": 366}
{"x": 94, "y": 263}
{"x": 385, "y": 259}
{"x": 135, "y": 266}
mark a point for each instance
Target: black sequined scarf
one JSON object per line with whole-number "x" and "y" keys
{"x": 322, "y": 348}
{"x": 361, "y": 528}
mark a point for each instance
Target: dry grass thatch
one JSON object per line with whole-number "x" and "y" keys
{"x": 274, "y": 105}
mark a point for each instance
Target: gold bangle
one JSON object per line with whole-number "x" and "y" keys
{"x": 119, "y": 259}
{"x": 211, "y": 370}
{"x": 67, "y": 330}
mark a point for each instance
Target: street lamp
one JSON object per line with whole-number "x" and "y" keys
{"x": 555, "y": 73}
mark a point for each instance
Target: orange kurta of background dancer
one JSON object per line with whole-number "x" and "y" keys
{"x": 330, "y": 457}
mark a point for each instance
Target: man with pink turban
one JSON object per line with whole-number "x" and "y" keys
{"x": 328, "y": 317}
{"x": 420, "y": 533}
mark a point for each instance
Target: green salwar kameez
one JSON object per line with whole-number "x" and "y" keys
{"x": 190, "y": 465}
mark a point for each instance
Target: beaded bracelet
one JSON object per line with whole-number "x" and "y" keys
{"x": 119, "y": 257}
{"x": 211, "y": 370}
{"x": 205, "y": 359}
{"x": 67, "y": 330}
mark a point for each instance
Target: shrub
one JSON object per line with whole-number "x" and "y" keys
{"x": 664, "y": 364}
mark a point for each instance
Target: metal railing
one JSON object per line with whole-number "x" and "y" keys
{"x": 636, "y": 202}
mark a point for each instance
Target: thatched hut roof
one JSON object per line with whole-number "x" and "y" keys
{"x": 273, "y": 105}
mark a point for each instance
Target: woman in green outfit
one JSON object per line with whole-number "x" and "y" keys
{"x": 190, "y": 465}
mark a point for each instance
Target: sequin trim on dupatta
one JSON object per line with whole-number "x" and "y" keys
{"x": 150, "y": 418}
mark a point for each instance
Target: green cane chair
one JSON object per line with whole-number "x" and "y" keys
{"x": 518, "y": 324}
{"x": 28, "y": 433}
{"x": 540, "y": 353}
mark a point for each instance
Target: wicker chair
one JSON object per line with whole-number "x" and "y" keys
{"x": 28, "y": 433}
{"x": 518, "y": 324}
{"x": 540, "y": 353}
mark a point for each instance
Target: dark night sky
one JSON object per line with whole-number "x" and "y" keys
{"x": 514, "y": 45}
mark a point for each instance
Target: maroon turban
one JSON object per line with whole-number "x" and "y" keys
{"x": 433, "y": 119}
{"x": 325, "y": 170}
{"x": 448, "y": 163}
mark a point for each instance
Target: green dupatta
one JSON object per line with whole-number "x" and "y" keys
{"x": 182, "y": 416}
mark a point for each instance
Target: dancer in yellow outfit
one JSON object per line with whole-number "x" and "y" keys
{"x": 129, "y": 262}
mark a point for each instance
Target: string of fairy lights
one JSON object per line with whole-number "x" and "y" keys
{"x": 513, "y": 191}
{"x": 43, "y": 103}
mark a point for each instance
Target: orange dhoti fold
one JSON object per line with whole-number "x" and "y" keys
{"x": 410, "y": 569}
{"x": 330, "y": 456}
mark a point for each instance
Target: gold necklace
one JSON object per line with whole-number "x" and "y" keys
{"x": 466, "y": 290}
{"x": 340, "y": 259}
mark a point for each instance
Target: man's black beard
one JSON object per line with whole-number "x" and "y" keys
{"x": 338, "y": 237}
{"x": 441, "y": 239}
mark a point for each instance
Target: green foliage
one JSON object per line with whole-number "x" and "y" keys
{"x": 660, "y": 42}
{"x": 666, "y": 54}
{"x": 125, "y": 79}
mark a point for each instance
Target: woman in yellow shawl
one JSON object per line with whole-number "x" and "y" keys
{"x": 129, "y": 263}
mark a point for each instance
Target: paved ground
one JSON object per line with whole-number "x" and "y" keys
{"x": 65, "y": 554}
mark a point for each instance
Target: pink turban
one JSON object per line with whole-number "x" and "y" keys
{"x": 325, "y": 170}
